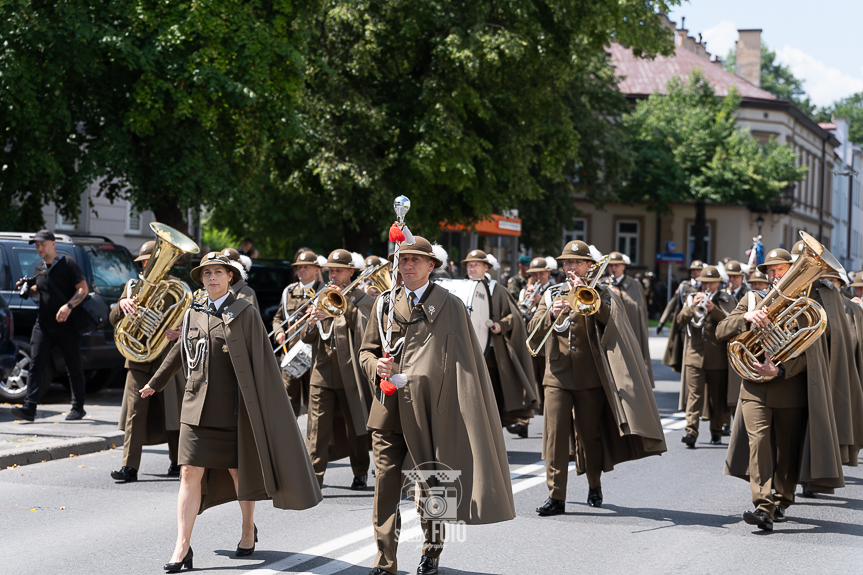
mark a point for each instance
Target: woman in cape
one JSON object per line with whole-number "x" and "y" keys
{"x": 235, "y": 441}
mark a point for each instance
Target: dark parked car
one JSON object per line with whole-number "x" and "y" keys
{"x": 8, "y": 349}
{"x": 269, "y": 278}
{"x": 106, "y": 266}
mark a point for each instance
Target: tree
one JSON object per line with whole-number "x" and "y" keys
{"x": 466, "y": 107}
{"x": 689, "y": 149}
{"x": 776, "y": 79}
{"x": 850, "y": 108}
{"x": 171, "y": 104}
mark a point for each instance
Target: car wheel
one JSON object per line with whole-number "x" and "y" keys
{"x": 13, "y": 388}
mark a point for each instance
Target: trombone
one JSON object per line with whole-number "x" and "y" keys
{"x": 583, "y": 299}
{"x": 332, "y": 300}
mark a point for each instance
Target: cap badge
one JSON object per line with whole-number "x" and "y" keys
{"x": 773, "y": 254}
{"x": 336, "y": 255}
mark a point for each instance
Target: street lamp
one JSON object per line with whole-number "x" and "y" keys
{"x": 759, "y": 221}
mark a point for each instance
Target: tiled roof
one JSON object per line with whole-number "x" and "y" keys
{"x": 642, "y": 77}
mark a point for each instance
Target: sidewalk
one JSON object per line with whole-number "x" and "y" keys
{"x": 50, "y": 436}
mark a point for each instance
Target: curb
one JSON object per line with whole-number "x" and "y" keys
{"x": 60, "y": 449}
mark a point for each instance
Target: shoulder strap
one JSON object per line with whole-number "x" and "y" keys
{"x": 750, "y": 304}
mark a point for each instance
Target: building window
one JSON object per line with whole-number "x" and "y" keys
{"x": 627, "y": 239}
{"x": 577, "y": 232}
{"x": 708, "y": 241}
{"x": 133, "y": 219}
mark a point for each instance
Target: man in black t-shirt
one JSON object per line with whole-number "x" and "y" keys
{"x": 60, "y": 286}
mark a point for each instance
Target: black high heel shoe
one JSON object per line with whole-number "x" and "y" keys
{"x": 246, "y": 552}
{"x": 177, "y": 567}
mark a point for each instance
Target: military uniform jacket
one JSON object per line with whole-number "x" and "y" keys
{"x": 702, "y": 349}
{"x": 242, "y": 291}
{"x": 617, "y": 359}
{"x": 292, "y": 297}
{"x": 273, "y": 461}
{"x": 673, "y": 356}
{"x": 744, "y": 289}
{"x": 335, "y": 363}
{"x": 447, "y": 411}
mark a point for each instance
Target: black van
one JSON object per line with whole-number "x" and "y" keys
{"x": 107, "y": 267}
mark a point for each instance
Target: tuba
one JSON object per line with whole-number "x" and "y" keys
{"x": 795, "y": 320}
{"x": 141, "y": 336}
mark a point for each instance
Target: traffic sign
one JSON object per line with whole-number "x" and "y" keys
{"x": 670, "y": 258}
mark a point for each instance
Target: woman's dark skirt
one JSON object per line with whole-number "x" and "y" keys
{"x": 210, "y": 447}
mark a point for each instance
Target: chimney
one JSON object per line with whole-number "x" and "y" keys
{"x": 749, "y": 56}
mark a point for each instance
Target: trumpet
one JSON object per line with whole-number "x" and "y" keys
{"x": 332, "y": 300}
{"x": 698, "y": 309}
{"x": 582, "y": 299}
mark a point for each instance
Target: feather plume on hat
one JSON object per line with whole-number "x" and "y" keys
{"x": 626, "y": 259}
{"x": 492, "y": 261}
{"x": 358, "y": 261}
{"x": 322, "y": 261}
{"x": 720, "y": 267}
{"x": 440, "y": 253}
{"x": 246, "y": 261}
{"x": 595, "y": 253}
{"x": 551, "y": 263}
{"x": 239, "y": 267}
{"x": 745, "y": 268}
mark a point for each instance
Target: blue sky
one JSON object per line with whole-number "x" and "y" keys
{"x": 820, "y": 41}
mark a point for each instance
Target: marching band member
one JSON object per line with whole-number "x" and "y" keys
{"x": 595, "y": 381}
{"x": 370, "y": 289}
{"x": 444, "y": 416}
{"x": 519, "y": 281}
{"x": 510, "y": 365}
{"x": 673, "y": 356}
{"x": 705, "y": 360}
{"x": 632, "y": 295}
{"x": 337, "y": 387}
{"x": 528, "y": 299}
{"x": 737, "y": 288}
{"x": 143, "y": 422}
{"x": 235, "y": 443}
{"x": 785, "y": 432}
{"x": 758, "y": 281}
{"x": 307, "y": 267}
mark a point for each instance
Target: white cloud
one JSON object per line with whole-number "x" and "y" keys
{"x": 720, "y": 38}
{"x": 824, "y": 85}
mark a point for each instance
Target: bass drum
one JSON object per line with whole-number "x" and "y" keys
{"x": 477, "y": 299}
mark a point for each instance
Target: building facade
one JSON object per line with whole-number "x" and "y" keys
{"x": 806, "y": 206}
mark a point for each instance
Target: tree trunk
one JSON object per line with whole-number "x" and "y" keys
{"x": 699, "y": 230}
{"x": 171, "y": 215}
{"x": 356, "y": 240}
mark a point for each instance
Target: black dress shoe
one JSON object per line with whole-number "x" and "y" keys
{"x": 726, "y": 431}
{"x": 759, "y": 518}
{"x": 689, "y": 440}
{"x": 186, "y": 562}
{"x": 808, "y": 494}
{"x": 246, "y": 552}
{"x": 75, "y": 414}
{"x": 360, "y": 482}
{"x": 715, "y": 440}
{"x": 552, "y": 507}
{"x": 594, "y": 497}
{"x": 126, "y": 474}
{"x": 427, "y": 566}
{"x": 379, "y": 571}
{"x": 24, "y": 413}
{"x": 174, "y": 470}
{"x": 779, "y": 514}
{"x": 517, "y": 429}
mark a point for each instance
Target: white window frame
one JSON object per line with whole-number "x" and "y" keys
{"x": 632, "y": 250}
{"x": 130, "y": 214}
{"x": 690, "y": 240}
{"x": 574, "y": 233}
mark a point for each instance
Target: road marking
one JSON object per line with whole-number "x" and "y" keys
{"x": 674, "y": 422}
{"x": 354, "y": 558}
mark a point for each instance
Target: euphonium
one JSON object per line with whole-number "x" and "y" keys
{"x": 795, "y": 321}
{"x": 141, "y": 336}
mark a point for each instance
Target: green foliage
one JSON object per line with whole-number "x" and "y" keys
{"x": 850, "y": 108}
{"x": 776, "y": 79}
{"x": 217, "y": 239}
{"x": 174, "y": 104}
{"x": 689, "y": 149}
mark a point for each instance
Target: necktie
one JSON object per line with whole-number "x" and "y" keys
{"x": 213, "y": 309}
{"x": 413, "y": 298}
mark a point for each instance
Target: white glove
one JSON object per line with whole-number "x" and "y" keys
{"x": 399, "y": 380}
